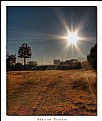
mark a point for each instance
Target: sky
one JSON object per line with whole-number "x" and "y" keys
{"x": 45, "y": 30}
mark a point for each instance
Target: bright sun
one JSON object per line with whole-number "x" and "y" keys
{"x": 72, "y": 38}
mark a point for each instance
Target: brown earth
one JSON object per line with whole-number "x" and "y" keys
{"x": 53, "y": 92}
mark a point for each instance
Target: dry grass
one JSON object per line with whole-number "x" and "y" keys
{"x": 71, "y": 92}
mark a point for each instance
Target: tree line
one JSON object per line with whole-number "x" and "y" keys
{"x": 25, "y": 52}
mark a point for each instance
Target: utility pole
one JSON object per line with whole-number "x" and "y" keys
{"x": 41, "y": 49}
{"x": 42, "y": 57}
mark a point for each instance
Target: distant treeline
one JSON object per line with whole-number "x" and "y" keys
{"x": 25, "y": 52}
{"x": 20, "y": 67}
{"x": 58, "y": 67}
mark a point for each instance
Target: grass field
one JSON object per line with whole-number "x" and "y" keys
{"x": 53, "y": 92}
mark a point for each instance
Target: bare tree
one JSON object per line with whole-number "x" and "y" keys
{"x": 24, "y": 52}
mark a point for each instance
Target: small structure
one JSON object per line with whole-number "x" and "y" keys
{"x": 73, "y": 61}
{"x": 56, "y": 61}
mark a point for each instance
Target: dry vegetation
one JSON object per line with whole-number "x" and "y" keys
{"x": 70, "y": 92}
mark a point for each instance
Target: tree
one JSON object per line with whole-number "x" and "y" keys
{"x": 24, "y": 52}
{"x": 18, "y": 66}
{"x": 92, "y": 56}
{"x": 10, "y": 61}
{"x": 31, "y": 64}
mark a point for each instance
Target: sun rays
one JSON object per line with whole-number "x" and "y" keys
{"x": 72, "y": 37}
{"x": 74, "y": 32}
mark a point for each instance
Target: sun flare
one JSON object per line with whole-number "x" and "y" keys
{"x": 72, "y": 38}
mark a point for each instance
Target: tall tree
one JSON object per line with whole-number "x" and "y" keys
{"x": 24, "y": 52}
{"x": 92, "y": 56}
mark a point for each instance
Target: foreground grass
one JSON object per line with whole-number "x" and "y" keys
{"x": 71, "y": 92}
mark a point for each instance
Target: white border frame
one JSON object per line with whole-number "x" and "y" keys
{"x": 4, "y": 117}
